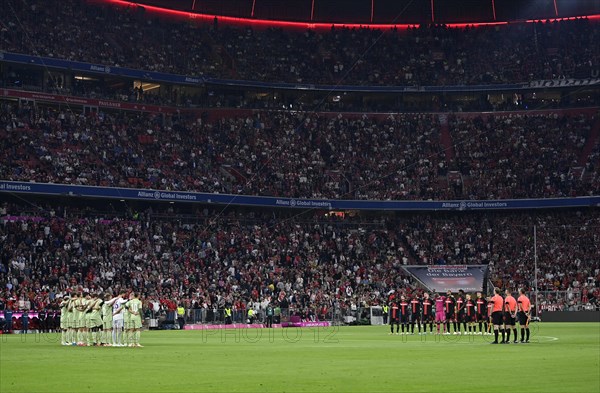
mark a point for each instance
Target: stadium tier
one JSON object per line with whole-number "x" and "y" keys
{"x": 420, "y": 56}
{"x": 307, "y": 262}
{"x": 307, "y": 155}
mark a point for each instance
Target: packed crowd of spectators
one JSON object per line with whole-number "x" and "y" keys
{"x": 566, "y": 245}
{"x": 299, "y": 155}
{"x": 216, "y": 260}
{"x": 209, "y": 258}
{"x": 592, "y": 166}
{"x": 418, "y": 56}
{"x": 519, "y": 155}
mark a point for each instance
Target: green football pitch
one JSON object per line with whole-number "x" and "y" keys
{"x": 562, "y": 357}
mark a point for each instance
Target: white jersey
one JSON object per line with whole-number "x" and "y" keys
{"x": 116, "y": 305}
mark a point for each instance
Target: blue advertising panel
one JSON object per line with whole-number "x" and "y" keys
{"x": 296, "y": 203}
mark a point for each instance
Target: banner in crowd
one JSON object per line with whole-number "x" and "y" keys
{"x": 204, "y": 326}
{"x": 565, "y": 83}
{"x": 443, "y": 278}
{"x": 306, "y": 324}
{"x": 295, "y": 203}
{"x": 255, "y": 325}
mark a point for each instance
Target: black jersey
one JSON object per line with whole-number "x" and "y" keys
{"x": 460, "y": 305}
{"x": 415, "y": 306}
{"x": 404, "y": 307}
{"x": 427, "y": 306}
{"x": 481, "y": 306}
{"x": 450, "y": 305}
{"x": 469, "y": 307}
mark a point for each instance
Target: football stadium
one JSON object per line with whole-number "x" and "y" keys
{"x": 300, "y": 196}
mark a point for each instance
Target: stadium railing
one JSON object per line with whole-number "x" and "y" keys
{"x": 566, "y": 301}
{"x": 347, "y": 315}
{"x": 353, "y": 315}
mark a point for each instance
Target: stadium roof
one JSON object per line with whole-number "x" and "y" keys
{"x": 367, "y": 12}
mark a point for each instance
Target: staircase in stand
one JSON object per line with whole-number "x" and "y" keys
{"x": 446, "y": 138}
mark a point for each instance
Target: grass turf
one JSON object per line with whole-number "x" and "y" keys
{"x": 562, "y": 357}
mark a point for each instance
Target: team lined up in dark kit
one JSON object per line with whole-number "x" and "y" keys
{"x": 476, "y": 315}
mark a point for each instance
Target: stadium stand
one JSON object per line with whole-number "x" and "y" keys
{"x": 215, "y": 258}
{"x": 421, "y": 56}
{"x": 301, "y": 155}
{"x": 208, "y": 257}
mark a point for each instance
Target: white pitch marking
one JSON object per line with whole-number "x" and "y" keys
{"x": 550, "y": 337}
